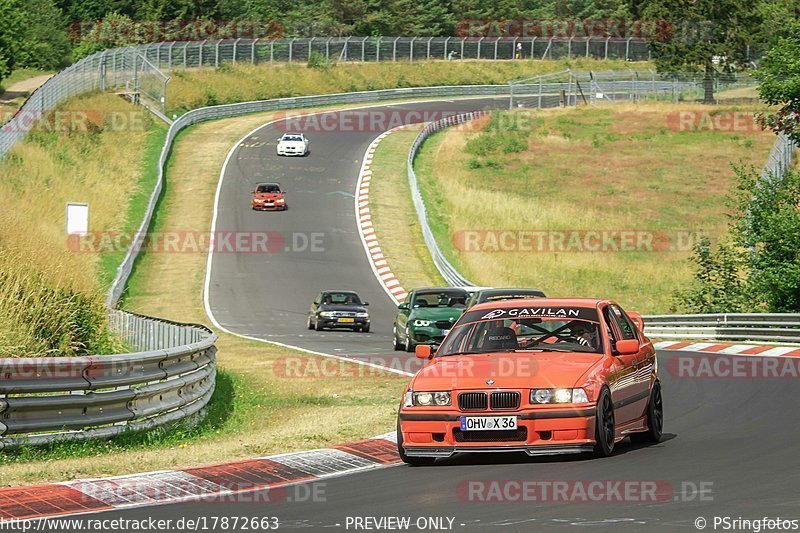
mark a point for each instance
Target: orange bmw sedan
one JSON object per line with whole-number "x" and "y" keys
{"x": 540, "y": 376}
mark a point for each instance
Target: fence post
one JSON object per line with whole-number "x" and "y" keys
{"x": 363, "y": 45}
{"x": 253, "y": 53}
{"x": 446, "y": 42}
{"x": 202, "y": 45}
{"x": 291, "y": 49}
{"x": 479, "y": 48}
{"x": 309, "y": 48}
{"x": 394, "y": 49}
{"x": 216, "y": 53}
{"x": 496, "y": 41}
{"x": 271, "y": 51}
{"x": 378, "y": 49}
{"x": 606, "y": 52}
{"x": 569, "y": 47}
{"x": 411, "y": 50}
{"x": 328, "y": 49}
{"x": 461, "y": 56}
{"x": 236, "y": 42}
{"x": 627, "y": 48}
{"x": 428, "y": 52}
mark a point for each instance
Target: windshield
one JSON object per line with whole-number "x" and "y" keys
{"x": 342, "y": 298}
{"x": 268, "y": 189}
{"x": 525, "y": 329}
{"x": 292, "y": 138}
{"x": 440, "y": 299}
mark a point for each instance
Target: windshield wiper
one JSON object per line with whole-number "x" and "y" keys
{"x": 478, "y": 353}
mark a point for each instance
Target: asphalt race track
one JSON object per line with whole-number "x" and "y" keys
{"x": 729, "y": 449}
{"x": 267, "y": 296}
{"x": 730, "y": 445}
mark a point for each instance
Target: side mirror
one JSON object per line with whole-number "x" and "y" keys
{"x": 423, "y": 351}
{"x": 628, "y": 347}
{"x": 404, "y": 306}
{"x": 638, "y": 320}
{"x": 366, "y": 304}
{"x": 279, "y": 139}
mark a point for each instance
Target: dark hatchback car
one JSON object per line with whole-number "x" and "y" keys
{"x": 496, "y": 295}
{"x": 337, "y": 310}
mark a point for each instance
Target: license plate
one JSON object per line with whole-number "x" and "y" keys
{"x": 488, "y": 423}
{"x": 348, "y": 320}
{"x": 445, "y": 332}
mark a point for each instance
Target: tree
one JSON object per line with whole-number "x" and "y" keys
{"x": 710, "y": 35}
{"x": 779, "y": 78}
{"x": 11, "y": 27}
{"x": 44, "y": 42}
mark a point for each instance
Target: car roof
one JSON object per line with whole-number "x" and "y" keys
{"x": 439, "y": 289}
{"x": 339, "y": 291}
{"x": 267, "y": 183}
{"x": 514, "y": 291}
{"x": 292, "y": 134}
{"x": 543, "y": 302}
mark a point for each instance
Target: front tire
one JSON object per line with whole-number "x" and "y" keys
{"x": 318, "y": 326}
{"x": 365, "y": 329}
{"x": 310, "y": 324}
{"x": 655, "y": 418}
{"x": 605, "y": 425}
{"x": 397, "y": 344}
{"x": 411, "y": 461}
{"x": 409, "y": 345}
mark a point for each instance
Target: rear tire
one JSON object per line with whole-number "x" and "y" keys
{"x": 605, "y": 426}
{"x": 655, "y": 418}
{"x": 411, "y": 461}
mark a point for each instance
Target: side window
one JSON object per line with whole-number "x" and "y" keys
{"x": 612, "y": 335}
{"x": 625, "y": 325}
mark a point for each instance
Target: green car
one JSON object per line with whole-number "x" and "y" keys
{"x": 427, "y": 315}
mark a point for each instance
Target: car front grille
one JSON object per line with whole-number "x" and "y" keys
{"x": 443, "y": 324}
{"x": 472, "y": 401}
{"x": 507, "y": 435}
{"x": 505, "y": 400}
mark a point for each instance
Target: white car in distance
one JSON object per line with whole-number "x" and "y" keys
{"x": 293, "y": 144}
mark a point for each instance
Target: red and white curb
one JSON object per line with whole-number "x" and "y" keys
{"x": 380, "y": 266}
{"x": 229, "y": 483}
{"x": 729, "y": 349}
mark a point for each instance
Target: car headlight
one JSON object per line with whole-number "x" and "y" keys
{"x": 421, "y": 323}
{"x": 362, "y": 315}
{"x": 326, "y": 314}
{"x": 540, "y": 396}
{"x": 427, "y": 399}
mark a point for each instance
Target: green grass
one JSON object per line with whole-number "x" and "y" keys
{"x": 137, "y": 203}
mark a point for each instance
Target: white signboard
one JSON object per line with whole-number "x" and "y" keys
{"x": 77, "y": 219}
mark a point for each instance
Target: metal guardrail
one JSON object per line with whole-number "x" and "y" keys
{"x": 770, "y": 327}
{"x": 171, "y": 378}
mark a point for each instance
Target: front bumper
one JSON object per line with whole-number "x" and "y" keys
{"x": 287, "y": 152}
{"x": 427, "y": 335}
{"x": 334, "y": 323}
{"x": 540, "y": 431}
{"x": 273, "y": 207}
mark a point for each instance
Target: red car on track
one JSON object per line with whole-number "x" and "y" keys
{"x": 540, "y": 376}
{"x": 269, "y": 197}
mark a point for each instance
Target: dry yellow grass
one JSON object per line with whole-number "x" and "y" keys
{"x": 597, "y": 168}
{"x": 92, "y": 163}
{"x": 194, "y": 88}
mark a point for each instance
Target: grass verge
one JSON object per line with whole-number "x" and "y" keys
{"x": 193, "y": 88}
{"x": 260, "y": 407}
{"x": 394, "y": 218}
{"x": 621, "y": 168}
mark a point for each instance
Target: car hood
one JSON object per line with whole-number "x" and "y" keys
{"x": 437, "y": 313}
{"x": 520, "y": 370}
{"x": 291, "y": 144}
{"x": 268, "y": 195}
{"x": 349, "y": 308}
